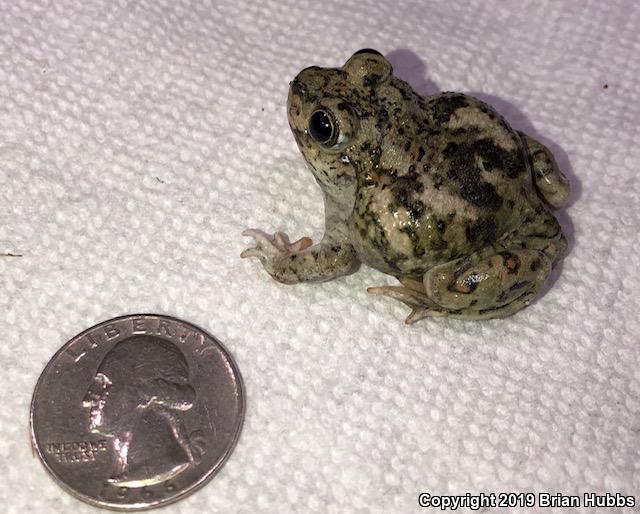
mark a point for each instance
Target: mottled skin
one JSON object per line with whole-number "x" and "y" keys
{"x": 439, "y": 192}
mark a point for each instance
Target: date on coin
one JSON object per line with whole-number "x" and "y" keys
{"x": 137, "y": 411}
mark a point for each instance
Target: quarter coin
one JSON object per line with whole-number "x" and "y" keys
{"x": 137, "y": 411}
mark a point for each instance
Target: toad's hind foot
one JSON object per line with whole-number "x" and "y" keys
{"x": 423, "y": 307}
{"x": 412, "y": 294}
{"x": 493, "y": 283}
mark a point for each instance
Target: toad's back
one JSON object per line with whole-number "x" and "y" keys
{"x": 452, "y": 177}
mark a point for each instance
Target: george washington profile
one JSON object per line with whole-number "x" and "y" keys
{"x": 138, "y": 398}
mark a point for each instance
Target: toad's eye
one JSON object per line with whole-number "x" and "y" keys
{"x": 322, "y": 128}
{"x": 333, "y": 126}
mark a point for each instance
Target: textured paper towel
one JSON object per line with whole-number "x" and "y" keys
{"x": 138, "y": 139}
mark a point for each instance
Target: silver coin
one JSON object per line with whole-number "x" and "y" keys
{"x": 137, "y": 411}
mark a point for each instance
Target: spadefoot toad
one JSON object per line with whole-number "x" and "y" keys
{"x": 439, "y": 192}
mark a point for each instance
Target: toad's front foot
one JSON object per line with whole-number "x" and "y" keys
{"x": 280, "y": 258}
{"x": 270, "y": 247}
{"x": 292, "y": 263}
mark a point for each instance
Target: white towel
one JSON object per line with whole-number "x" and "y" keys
{"x": 137, "y": 141}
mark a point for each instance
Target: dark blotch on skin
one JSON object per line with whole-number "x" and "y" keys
{"x": 482, "y": 231}
{"x": 371, "y": 80}
{"x": 405, "y": 94}
{"x": 496, "y": 157}
{"x": 403, "y": 191}
{"x": 298, "y": 88}
{"x": 464, "y": 171}
{"x": 446, "y": 106}
{"x": 502, "y": 297}
{"x": 383, "y": 117}
{"x": 415, "y": 211}
{"x": 343, "y": 106}
{"x": 392, "y": 263}
{"x": 511, "y": 262}
{"x": 535, "y": 264}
